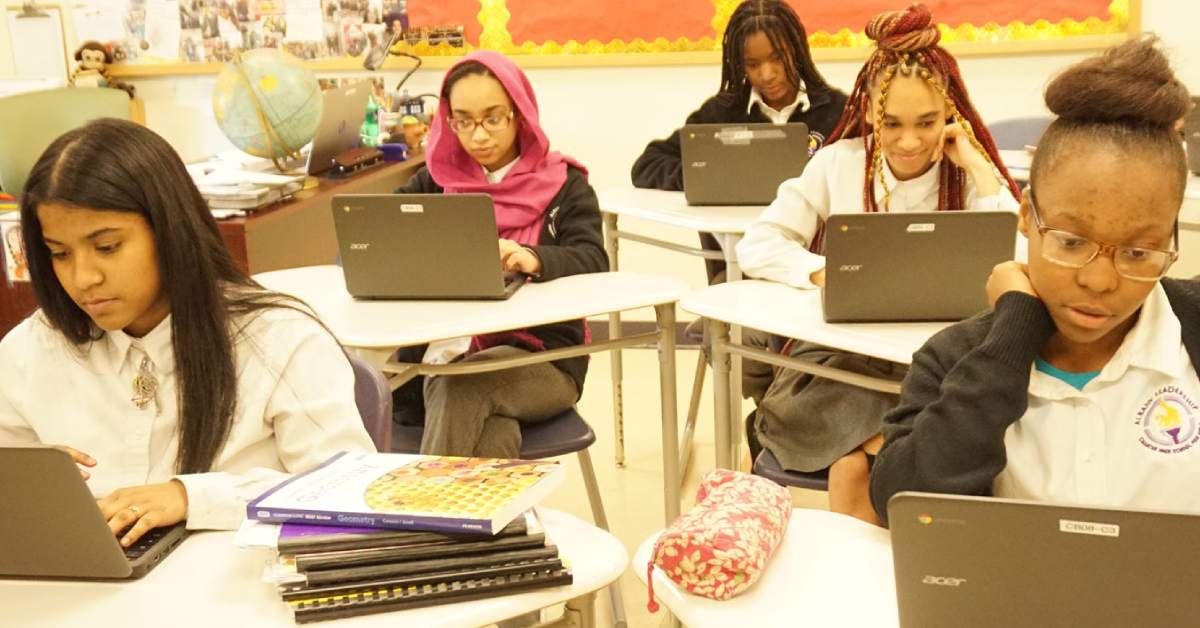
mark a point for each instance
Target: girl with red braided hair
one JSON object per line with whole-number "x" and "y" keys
{"x": 908, "y": 140}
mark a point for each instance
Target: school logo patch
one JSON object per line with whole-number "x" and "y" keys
{"x": 1170, "y": 421}
{"x": 815, "y": 141}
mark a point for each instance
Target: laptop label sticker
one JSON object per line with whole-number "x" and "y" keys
{"x": 1089, "y": 527}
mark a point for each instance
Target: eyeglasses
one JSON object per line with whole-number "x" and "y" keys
{"x": 1074, "y": 251}
{"x": 491, "y": 124}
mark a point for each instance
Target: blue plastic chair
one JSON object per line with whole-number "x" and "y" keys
{"x": 768, "y": 467}
{"x": 562, "y": 434}
{"x": 1017, "y": 133}
{"x": 373, "y": 396}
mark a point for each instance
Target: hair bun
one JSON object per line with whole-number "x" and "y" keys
{"x": 1131, "y": 82}
{"x": 910, "y": 30}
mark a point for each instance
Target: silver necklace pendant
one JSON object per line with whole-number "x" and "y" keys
{"x": 145, "y": 386}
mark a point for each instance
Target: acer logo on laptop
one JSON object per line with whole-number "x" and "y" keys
{"x": 943, "y": 581}
{"x": 850, "y": 268}
{"x": 359, "y": 246}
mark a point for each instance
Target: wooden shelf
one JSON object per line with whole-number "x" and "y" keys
{"x": 1081, "y": 43}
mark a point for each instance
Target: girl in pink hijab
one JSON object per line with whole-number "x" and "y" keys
{"x": 485, "y": 138}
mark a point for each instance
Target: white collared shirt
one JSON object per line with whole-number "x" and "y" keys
{"x": 497, "y": 175}
{"x": 778, "y": 116}
{"x": 295, "y": 408}
{"x": 1129, "y": 439}
{"x": 775, "y": 247}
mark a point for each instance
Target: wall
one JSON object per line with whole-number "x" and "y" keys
{"x": 604, "y": 116}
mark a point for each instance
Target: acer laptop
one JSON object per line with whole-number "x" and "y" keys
{"x": 740, "y": 164}
{"x": 51, "y": 526}
{"x": 919, "y": 266}
{"x": 421, "y": 246}
{"x": 343, "y": 110}
{"x": 997, "y": 563}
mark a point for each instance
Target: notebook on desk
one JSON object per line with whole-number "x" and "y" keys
{"x": 52, "y": 527}
{"x": 421, "y": 246}
{"x": 740, "y": 164}
{"x": 985, "y": 562}
{"x": 919, "y": 266}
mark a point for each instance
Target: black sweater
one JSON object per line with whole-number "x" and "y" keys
{"x": 967, "y": 385}
{"x": 570, "y": 244}
{"x": 660, "y": 166}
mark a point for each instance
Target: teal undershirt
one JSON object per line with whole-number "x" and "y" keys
{"x": 1075, "y": 380}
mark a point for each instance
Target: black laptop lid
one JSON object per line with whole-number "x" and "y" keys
{"x": 917, "y": 266}
{"x": 741, "y": 164}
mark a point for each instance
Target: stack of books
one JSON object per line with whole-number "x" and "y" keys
{"x": 425, "y": 530}
{"x": 241, "y": 182}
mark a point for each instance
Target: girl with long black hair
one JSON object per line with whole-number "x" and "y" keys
{"x": 181, "y": 385}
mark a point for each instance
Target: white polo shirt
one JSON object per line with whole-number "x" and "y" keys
{"x": 295, "y": 408}
{"x": 775, "y": 247}
{"x": 1129, "y": 439}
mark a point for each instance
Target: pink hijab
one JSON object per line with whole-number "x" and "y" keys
{"x": 521, "y": 199}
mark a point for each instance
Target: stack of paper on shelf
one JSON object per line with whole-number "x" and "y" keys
{"x": 243, "y": 182}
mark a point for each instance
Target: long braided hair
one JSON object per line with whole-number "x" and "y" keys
{"x": 906, "y": 42}
{"x": 787, "y": 36}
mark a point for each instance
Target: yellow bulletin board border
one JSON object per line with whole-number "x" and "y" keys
{"x": 965, "y": 40}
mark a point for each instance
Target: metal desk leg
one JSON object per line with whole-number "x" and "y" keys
{"x": 733, "y": 272}
{"x": 670, "y": 419}
{"x": 718, "y": 331}
{"x": 612, "y": 247}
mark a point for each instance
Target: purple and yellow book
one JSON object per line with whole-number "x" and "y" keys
{"x": 410, "y": 492}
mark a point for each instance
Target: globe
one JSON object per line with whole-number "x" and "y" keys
{"x": 267, "y": 103}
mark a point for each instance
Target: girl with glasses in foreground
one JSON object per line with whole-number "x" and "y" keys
{"x": 1080, "y": 386}
{"x": 486, "y": 139}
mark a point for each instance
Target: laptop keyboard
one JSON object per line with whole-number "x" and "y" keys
{"x": 142, "y": 545}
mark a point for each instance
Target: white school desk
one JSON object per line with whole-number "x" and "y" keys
{"x": 785, "y": 311}
{"x": 830, "y": 570}
{"x": 377, "y": 328}
{"x": 208, "y": 582}
{"x": 727, "y": 223}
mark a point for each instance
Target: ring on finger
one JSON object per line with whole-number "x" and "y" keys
{"x": 135, "y": 510}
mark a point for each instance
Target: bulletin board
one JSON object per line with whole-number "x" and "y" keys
{"x": 334, "y": 34}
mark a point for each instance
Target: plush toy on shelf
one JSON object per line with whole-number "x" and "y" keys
{"x": 92, "y": 69}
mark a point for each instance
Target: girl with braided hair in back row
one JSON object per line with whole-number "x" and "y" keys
{"x": 909, "y": 140}
{"x": 767, "y": 75}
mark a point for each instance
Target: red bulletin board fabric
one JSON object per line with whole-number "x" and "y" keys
{"x": 854, "y": 14}
{"x": 447, "y": 13}
{"x": 540, "y": 21}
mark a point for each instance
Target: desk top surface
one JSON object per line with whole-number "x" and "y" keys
{"x": 209, "y": 582}
{"x": 830, "y": 570}
{"x": 793, "y": 313}
{"x": 388, "y": 324}
{"x": 671, "y": 208}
